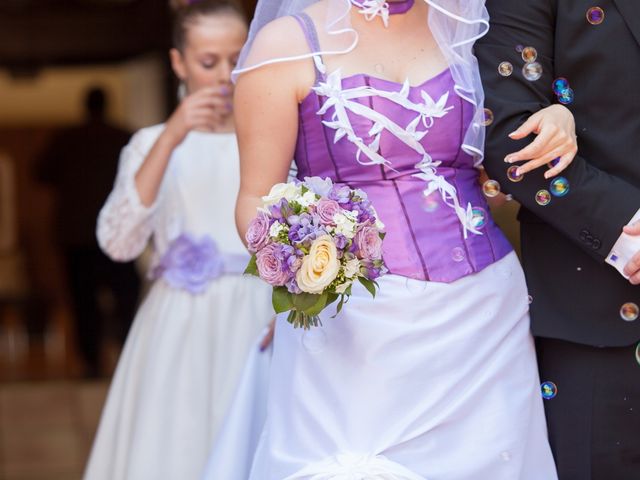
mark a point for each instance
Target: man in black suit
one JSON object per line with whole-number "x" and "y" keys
{"x": 584, "y": 311}
{"x": 81, "y": 164}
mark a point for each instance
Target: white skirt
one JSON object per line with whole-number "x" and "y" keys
{"x": 429, "y": 381}
{"x": 175, "y": 380}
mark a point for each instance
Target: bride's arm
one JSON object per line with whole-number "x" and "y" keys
{"x": 266, "y": 114}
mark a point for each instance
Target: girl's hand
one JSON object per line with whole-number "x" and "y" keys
{"x": 556, "y": 138}
{"x": 268, "y": 336}
{"x": 204, "y": 110}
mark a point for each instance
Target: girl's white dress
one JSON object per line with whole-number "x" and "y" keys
{"x": 188, "y": 344}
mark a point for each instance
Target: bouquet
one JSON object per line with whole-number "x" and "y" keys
{"x": 311, "y": 241}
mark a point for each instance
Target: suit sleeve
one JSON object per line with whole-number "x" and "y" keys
{"x": 598, "y": 203}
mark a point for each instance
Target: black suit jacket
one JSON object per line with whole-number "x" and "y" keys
{"x": 576, "y": 296}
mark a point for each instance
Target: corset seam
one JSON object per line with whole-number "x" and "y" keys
{"x": 470, "y": 261}
{"x": 413, "y": 237}
{"x": 328, "y": 145}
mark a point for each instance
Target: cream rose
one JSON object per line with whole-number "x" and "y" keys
{"x": 320, "y": 267}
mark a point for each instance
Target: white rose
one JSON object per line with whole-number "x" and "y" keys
{"x": 320, "y": 267}
{"x": 344, "y": 225}
{"x": 281, "y": 190}
{"x": 275, "y": 229}
{"x": 352, "y": 268}
{"x": 309, "y": 198}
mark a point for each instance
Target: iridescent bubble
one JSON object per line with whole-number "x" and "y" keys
{"x": 629, "y": 312}
{"x": 457, "y": 254}
{"x": 416, "y": 286}
{"x": 487, "y": 118}
{"x": 595, "y": 15}
{"x": 529, "y": 54}
{"x": 379, "y": 68}
{"x": 638, "y": 354}
{"x": 519, "y": 48}
{"x": 529, "y": 299}
{"x": 478, "y": 217}
{"x": 549, "y": 390}
{"x": 559, "y": 187}
{"x": 430, "y": 202}
{"x": 512, "y": 174}
{"x": 553, "y": 162}
{"x": 314, "y": 340}
{"x": 491, "y": 188}
{"x": 543, "y": 197}
{"x": 559, "y": 85}
{"x": 505, "y": 69}
{"x": 532, "y": 71}
{"x": 566, "y": 97}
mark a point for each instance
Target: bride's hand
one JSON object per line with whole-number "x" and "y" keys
{"x": 268, "y": 336}
{"x": 556, "y": 138}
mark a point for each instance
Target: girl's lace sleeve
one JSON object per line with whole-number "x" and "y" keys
{"x": 124, "y": 223}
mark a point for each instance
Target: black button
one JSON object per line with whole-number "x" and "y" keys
{"x": 583, "y": 235}
{"x": 589, "y": 239}
{"x": 596, "y": 244}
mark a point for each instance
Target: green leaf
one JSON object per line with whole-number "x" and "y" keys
{"x": 252, "y": 268}
{"x": 369, "y": 285}
{"x": 281, "y": 299}
{"x": 311, "y": 304}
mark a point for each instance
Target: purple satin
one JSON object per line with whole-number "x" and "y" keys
{"x": 420, "y": 243}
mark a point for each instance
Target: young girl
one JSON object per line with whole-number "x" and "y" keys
{"x": 177, "y": 183}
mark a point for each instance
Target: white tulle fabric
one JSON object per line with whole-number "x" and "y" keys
{"x": 455, "y": 24}
{"x": 185, "y": 352}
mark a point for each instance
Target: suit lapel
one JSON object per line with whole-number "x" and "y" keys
{"x": 630, "y": 11}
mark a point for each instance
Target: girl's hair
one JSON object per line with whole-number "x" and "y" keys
{"x": 187, "y": 13}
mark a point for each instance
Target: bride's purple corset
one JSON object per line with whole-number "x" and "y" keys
{"x": 425, "y": 238}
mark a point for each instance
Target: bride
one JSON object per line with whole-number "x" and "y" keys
{"x": 436, "y": 377}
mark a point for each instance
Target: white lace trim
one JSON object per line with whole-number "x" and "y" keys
{"x": 342, "y": 101}
{"x": 351, "y": 466}
{"x": 124, "y": 223}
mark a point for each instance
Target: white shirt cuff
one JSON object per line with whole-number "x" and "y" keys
{"x": 625, "y": 248}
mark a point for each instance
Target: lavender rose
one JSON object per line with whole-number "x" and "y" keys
{"x": 368, "y": 244}
{"x": 272, "y": 263}
{"x": 257, "y": 235}
{"x": 326, "y": 210}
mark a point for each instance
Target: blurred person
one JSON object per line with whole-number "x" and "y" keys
{"x": 80, "y": 164}
{"x": 176, "y": 185}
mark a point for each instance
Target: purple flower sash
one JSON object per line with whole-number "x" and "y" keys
{"x": 192, "y": 263}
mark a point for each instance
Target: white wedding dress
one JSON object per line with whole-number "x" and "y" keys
{"x": 186, "y": 350}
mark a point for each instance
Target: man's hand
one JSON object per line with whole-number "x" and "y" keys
{"x": 632, "y": 268}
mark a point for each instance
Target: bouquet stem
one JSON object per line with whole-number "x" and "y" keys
{"x": 302, "y": 320}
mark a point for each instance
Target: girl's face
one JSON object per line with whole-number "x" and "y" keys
{"x": 211, "y": 49}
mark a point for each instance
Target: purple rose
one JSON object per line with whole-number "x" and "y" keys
{"x": 257, "y": 235}
{"x": 292, "y": 287}
{"x": 326, "y": 209}
{"x": 368, "y": 244}
{"x": 272, "y": 262}
{"x": 190, "y": 264}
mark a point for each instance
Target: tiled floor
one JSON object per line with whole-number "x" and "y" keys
{"x": 46, "y": 428}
